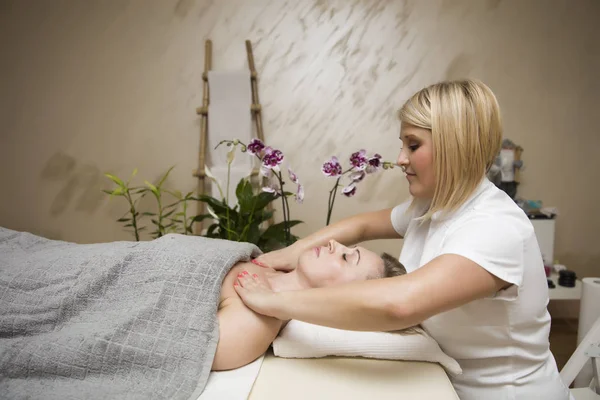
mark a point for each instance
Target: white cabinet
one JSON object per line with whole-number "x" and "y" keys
{"x": 544, "y": 231}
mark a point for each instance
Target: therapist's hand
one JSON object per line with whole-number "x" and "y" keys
{"x": 256, "y": 294}
{"x": 285, "y": 259}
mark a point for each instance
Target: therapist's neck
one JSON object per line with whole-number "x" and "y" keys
{"x": 288, "y": 281}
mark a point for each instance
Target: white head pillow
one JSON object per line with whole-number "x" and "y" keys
{"x": 303, "y": 340}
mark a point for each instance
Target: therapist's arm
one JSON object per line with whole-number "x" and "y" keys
{"x": 349, "y": 231}
{"x": 388, "y": 304}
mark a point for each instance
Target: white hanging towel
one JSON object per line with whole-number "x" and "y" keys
{"x": 229, "y": 117}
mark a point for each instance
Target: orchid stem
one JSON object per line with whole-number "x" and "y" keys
{"x": 332, "y": 194}
{"x": 284, "y": 208}
{"x": 227, "y": 201}
{"x": 289, "y": 229}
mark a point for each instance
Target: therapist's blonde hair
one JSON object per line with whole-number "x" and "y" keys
{"x": 464, "y": 119}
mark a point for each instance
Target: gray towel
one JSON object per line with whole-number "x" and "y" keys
{"x": 121, "y": 320}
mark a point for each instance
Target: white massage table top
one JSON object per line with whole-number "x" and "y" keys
{"x": 350, "y": 378}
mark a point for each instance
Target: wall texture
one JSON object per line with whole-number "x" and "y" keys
{"x": 88, "y": 87}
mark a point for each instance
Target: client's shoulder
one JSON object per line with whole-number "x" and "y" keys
{"x": 228, "y": 293}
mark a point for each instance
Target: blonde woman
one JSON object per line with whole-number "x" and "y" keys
{"x": 476, "y": 281}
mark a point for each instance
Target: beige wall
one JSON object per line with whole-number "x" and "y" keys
{"x": 93, "y": 86}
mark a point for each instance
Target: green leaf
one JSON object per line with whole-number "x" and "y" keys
{"x": 172, "y": 205}
{"x": 253, "y": 235}
{"x": 210, "y": 232}
{"x": 218, "y": 206}
{"x": 259, "y": 218}
{"x": 270, "y": 244}
{"x": 168, "y": 214}
{"x": 115, "y": 179}
{"x": 277, "y": 231}
{"x": 148, "y": 214}
{"x": 133, "y": 174}
{"x": 123, "y": 219}
{"x": 175, "y": 193}
{"x": 153, "y": 188}
{"x": 244, "y": 195}
{"x": 128, "y": 225}
{"x": 262, "y": 199}
{"x": 164, "y": 178}
{"x": 205, "y": 198}
{"x": 262, "y": 216}
{"x": 201, "y": 217}
{"x": 294, "y": 222}
{"x": 118, "y": 192}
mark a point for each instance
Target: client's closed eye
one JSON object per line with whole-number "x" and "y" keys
{"x": 356, "y": 258}
{"x": 356, "y": 254}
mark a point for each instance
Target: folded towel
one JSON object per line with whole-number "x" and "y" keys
{"x": 302, "y": 340}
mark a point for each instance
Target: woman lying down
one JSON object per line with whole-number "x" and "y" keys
{"x": 245, "y": 335}
{"x": 142, "y": 319}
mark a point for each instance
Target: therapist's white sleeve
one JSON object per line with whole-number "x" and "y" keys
{"x": 492, "y": 243}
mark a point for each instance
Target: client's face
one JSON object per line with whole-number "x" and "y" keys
{"x": 337, "y": 264}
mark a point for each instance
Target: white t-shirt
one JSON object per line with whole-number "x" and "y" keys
{"x": 501, "y": 342}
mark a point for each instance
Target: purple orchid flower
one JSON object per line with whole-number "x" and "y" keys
{"x": 359, "y": 160}
{"x": 293, "y": 176}
{"x": 272, "y": 158}
{"x": 357, "y": 176}
{"x": 255, "y": 146}
{"x": 266, "y": 172}
{"x": 374, "y": 163}
{"x": 300, "y": 194}
{"x": 332, "y": 167}
{"x": 349, "y": 190}
{"x": 271, "y": 187}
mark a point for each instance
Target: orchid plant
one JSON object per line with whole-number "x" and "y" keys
{"x": 361, "y": 165}
{"x": 270, "y": 171}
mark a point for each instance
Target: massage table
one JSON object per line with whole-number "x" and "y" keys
{"x": 349, "y": 378}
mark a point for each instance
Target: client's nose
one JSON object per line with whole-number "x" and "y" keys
{"x": 332, "y": 245}
{"x": 335, "y": 246}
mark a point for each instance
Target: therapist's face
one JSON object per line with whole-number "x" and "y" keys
{"x": 416, "y": 159}
{"x": 337, "y": 264}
